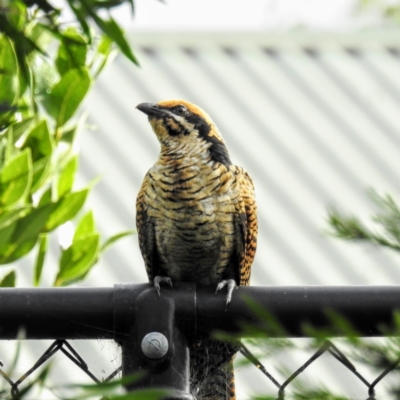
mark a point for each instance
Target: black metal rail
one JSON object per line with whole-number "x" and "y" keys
{"x": 127, "y": 313}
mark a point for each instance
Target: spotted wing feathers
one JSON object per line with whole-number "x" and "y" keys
{"x": 145, "y": 230}
{"x": 247, "y": 212}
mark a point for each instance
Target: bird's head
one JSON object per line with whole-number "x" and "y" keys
{"x": 178, "y": 123}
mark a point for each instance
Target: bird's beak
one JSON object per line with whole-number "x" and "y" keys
{"x": 151, "y": 109}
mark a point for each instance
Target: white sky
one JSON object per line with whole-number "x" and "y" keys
{"x": 241, "y": 15}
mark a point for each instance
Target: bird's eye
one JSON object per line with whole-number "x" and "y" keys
{"x": 180, "y": 110}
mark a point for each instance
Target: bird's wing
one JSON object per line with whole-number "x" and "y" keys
{"x": 145, "y": 230}
{"x": 247, "y": 211}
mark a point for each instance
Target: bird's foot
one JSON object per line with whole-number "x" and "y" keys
{"x": 161, "y": 279}
{"x": 230, "y": 285}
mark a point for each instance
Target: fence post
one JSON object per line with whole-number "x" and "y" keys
{"x": 145, "y": 326}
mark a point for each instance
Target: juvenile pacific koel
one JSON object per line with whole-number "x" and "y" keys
{"x": 197, "y": 222}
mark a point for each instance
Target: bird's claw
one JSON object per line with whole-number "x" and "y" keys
{"x": 161, "y": 279}
{"x": 230, "y": 285}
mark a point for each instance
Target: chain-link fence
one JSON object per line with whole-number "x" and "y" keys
{"x": 57, "y": 347}
{"x": 128, "y": 313}
{"x": 329, "y": 348}
{"x": 66, "y": 349}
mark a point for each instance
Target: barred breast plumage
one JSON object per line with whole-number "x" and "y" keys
{"x": 196, "y": 217}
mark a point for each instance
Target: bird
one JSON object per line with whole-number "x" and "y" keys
{"x": 196, "y": 219}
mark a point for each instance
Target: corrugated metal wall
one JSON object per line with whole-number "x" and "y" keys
{"x": 314, "y": 123}
{"x": 313, "y": 118}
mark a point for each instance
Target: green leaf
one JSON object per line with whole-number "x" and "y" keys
{"x": 16, "y": 13}
{"x": 8, "y": 280}
{"x": 39, "y": 381}
{"x": 351, "y": 228}
{"x": 30, "y": 226}
{"x": 25, "y": 234}
{"x": 39, "y": 141}
{"x": 105, "y": 4}
{"x": 81, "y": 17}
{"x": 45, "y": 75}
{"x": 144, "y": 394}
{"x": 46, "y": 198}
{"x": 72, "y": 51}
{"x": 113, "y": 31}
{"x": 41, "y": 144}
{"x": 132, "y": 6}
{"x": 9, "y": 148}
{"x": 15, "y": 179}
{"x": 40, "y": 34}
{"x": 77, "y": 260}
{"x": 7, "y": 217}
{"x": 41, "y": 171}
{"x": 23, "y": 46}
{"x": 65, "y": 97}
{"x": 67, "y": 177}
{"x": 103, "y": 56}
{"x": 6, "y": 233}
{"x": 42, "y": 68}
{"x": 13, "y": 363}
{"x": 110, "y": 390}
{"x": 66, "y": 208}
{"x": 40, "y": 257}
{"x": 85, "y": 227}
{"x": 105, "y": 45}
{"x": 69, "y": 135}
{"x": 111, "y": 240}
{"x": 9, "y": 82}
{"x": 20, "y": 129}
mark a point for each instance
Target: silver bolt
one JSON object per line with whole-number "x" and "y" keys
{"x": 154, "y": 345}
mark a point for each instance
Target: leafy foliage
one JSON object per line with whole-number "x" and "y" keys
{"x": 380, "y": 356}
{"x": 386, "y": 233}
{"x": 46, "y": 70}
{"x": 387, "y": 221}
{"x": 112, "y": 390}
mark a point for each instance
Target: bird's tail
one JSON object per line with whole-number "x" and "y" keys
{"x": 212, "y": 376}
